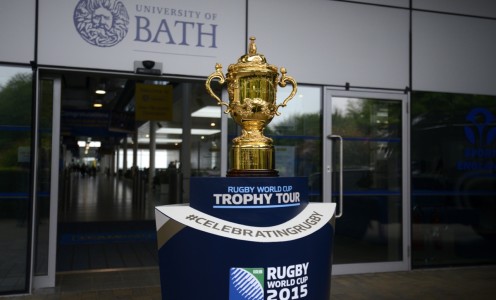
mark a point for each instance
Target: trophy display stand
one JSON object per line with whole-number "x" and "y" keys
{"x": 250, "y": 235}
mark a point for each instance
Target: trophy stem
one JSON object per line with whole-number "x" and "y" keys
{"x": 252, "y": 135}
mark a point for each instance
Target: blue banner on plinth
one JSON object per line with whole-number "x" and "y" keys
{"x": 246, "y": 238}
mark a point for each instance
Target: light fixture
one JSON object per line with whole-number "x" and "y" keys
{"x": 98, "y": 103}
{"x": 89, "y": 144}
{"x": 159, "y": 141}
{"x": 100, "y": 89}
{"x": 194, "y": 131}
{"x": 212, "y": 124}
{"x": 208, "y": 112}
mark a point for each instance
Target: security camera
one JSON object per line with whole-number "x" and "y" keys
{"x": 149, "y": 64}
{"x": 148, "y": 67}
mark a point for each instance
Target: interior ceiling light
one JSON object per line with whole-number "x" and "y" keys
{"x": 193, "y": 131}
{"x": 143, "y": 140}
{"x": 98, "y": 103}
{"x": 160, "y": 141}
{"x": 208, "y": 112}
{"x": 92, "y": 144}
{"x": 100, "y": 90}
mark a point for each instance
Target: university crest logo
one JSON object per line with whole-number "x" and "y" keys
{"x": 102, "y": 23}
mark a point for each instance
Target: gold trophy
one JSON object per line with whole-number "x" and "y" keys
{"x": 252, "y": 88}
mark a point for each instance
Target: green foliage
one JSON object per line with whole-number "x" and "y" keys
{"x": 15, "y": 101}
{"x": 302, "y": 125}
{"x": 430, "y": 109}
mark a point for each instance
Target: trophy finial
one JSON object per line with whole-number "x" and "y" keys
{"x": 252, "y": 48}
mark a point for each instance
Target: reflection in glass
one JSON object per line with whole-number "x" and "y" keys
{"x": 15, "y": 159}
{"x": 453, "y": 179}
{"x": 370, "y": 228}
{"x": 297, "y": 135}
{"x": 205, "y": 132}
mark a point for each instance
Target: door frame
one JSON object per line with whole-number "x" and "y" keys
{"x": 48, "y": 280}
{"x": 405, "y": 263}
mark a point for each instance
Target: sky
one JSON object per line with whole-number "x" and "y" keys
{"x": 7, "y": 72}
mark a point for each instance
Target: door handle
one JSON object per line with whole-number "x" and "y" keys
{"x": 340, "y": 140}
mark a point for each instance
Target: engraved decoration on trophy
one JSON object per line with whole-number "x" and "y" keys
{"x": 252, "y": 88}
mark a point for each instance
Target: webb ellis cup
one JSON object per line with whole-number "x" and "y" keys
{"x": 252, "y": 88}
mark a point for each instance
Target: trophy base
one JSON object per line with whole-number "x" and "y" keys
{"x": 260, "y": 158}
{"x": 252, "y": 173}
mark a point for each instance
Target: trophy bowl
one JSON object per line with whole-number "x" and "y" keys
{"x": 252, "y": 88}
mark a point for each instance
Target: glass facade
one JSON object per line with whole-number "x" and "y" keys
{"x": 453, "y": 169}
{"x": 15, "y": 162}
{"x": 453, "y": 152}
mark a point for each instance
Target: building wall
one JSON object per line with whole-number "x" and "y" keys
{"x": 334, "y": 42}
{"x": 17, "y": 31}
{"x": 331, "y": 42}
{"x": 453, "y": 53}
{"x": 187, "y": 37}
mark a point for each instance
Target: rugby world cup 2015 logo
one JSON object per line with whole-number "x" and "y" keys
{"x": 102, "y": 23}
{"x": 246, "y": 284}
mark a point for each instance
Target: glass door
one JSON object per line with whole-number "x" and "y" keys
{"x": 365, "y": 162}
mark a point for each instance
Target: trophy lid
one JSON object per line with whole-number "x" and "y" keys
{"x": 253, "y": 59}
{"x": 252, "y": 55}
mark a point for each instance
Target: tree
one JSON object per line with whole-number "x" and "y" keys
{"x": 15, "y": 118}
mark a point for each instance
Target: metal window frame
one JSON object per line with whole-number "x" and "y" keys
{"x": 48, "y": 280}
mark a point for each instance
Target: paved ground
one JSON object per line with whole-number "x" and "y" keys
{"x": 458, "y": 283}
{"x": 471, "y": 283}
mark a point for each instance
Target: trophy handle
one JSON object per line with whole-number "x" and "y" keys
{"x": 282, "y": 83}
{"x": 217, "y": 74}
